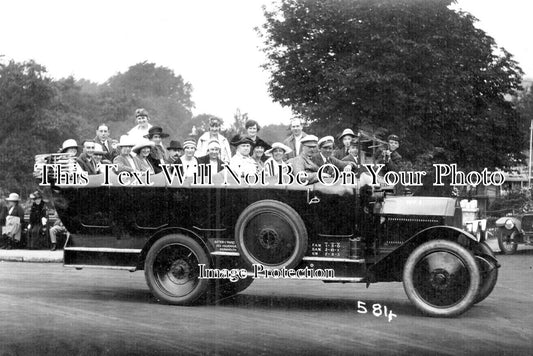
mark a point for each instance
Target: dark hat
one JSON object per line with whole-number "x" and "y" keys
{"x": 393, "y": 138}
{"x": 239, "y": 139}
{"x": 261, "y": 143}
{"x": 175, "y": 145}
{"x": 36, "y": 194}
{"x": 156, "y": 130}
{"x": 141, "y": 112}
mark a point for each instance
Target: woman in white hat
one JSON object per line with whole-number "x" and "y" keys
{"x": 189, "y": 162}
{"x": 12, "y": 232}
{"x": 346, "y": 138}
{"x": 277, "y": 153}
{"x": 70, "y": 146}
{"x": 142, "y": 149}
{"x": 125, "y": 161}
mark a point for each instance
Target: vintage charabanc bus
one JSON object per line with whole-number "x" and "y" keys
{"x": 175, "y": 231}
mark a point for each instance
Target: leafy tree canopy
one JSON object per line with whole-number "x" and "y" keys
{"x": 416, "y": 68}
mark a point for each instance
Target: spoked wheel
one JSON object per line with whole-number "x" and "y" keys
{"x": 488, "y": 268}
{"x": 271, "y": 233}
{"x": 172, "y": 269}
{"x": 507, "y": 244}
{"x": 441, "y": 278}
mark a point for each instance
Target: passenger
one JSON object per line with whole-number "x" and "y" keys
{"x": 189, "y": 163}
{"x": 98, "y": 158}
{"x": 277, "y": 153}
{"x": 258, "y": 153}
{"x": 125, "y": 161}
{"x": 12, "y": 231}
{"x": 212, "y": 158}
{"x": 85, "y": 160}
{"x": 303, "y": 162}
{"x": 241, "y": 163}
{"x": 175, "y": 151}
{"x": 58, "y": 228}
{"x": 346, "y": 138}
{"x": 158, "y": 154}
{"x": 389, "y": 156}
{"x": 142, "y": 150}
{"x": 38, "y": 226}
{"x": 325, "y": 145}
{"x": 102, "y": 138}
{"x": 70, "y": 146}
{"x": 139, "y": 131}
{"x": 352, "y": 154}
{"x": 252, "y": 128}
{"x": 295, "y": 139}
{"x": 214, "y": 134}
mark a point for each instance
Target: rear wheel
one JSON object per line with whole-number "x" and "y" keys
{"x": 172, "y": 269}
{"x": 507, "y": 244}
{"x": 441, "y": 278}
{"x": 488, "y": 268}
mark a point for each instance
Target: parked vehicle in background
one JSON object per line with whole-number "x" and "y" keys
{"x": 514, "y": 230}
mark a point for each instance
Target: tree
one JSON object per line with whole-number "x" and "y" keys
{"x": 416, "y": 68}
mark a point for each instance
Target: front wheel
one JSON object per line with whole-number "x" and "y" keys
{"x": 507, "y": 244}
{"x": 441, "y": 278}
{"x": 172, "y": 269}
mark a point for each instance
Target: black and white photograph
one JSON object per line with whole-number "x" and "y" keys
{"x": 266, "y": 177}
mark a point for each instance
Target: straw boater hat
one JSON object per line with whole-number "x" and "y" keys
{"x": 213, "y": 143}
{"x": 125, "y": 141}
{"x": 347, "y": 132}
{"x": 70, "y": 143}
{"x": 141, "y": 144}
{"x": 35, "y": 195}
{"x": 325, "y": 140}
{"x": 286, "y": 149}
{"x": 156, "y": 130}
{"x": 309, "y": 139}
{"x": 238, "y": 139}
{"x": 13, "y": 197}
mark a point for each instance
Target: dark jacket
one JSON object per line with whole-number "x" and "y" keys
{"x": 86, "y": 164}
{"x": 205, "y": 160}
{"x": 109, "y": 153}
{"x": 37, "y": 212}
{"x": 289, "y": 141}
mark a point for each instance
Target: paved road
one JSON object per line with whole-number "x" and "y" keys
{"x": 51, "y": 310}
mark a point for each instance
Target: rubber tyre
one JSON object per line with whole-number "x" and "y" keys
{"x": 271, "y": 233}
{"x": 228, "y": 289}
{"x": 507, "y": 248}
{"x": 488, "y": 269}
{"x": 441, "y": 278}
{"x": 171, "y": 270}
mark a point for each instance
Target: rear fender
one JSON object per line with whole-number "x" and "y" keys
{"x": 390, "y": 268}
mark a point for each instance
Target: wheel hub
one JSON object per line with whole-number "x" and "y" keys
{"x": 179, "y": 271}
{"x": 269, "y": 238}
{"x": 440, "y": 279}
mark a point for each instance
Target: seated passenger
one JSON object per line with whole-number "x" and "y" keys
{"x": 277, "y": 153}
{"x": 158, "y": 154}
{"x": 175, "y": 151}
{"x": 98, "y": 158}
{"x": 69, "y": 146}
{"x": 12, "y": 231}
{"x": 325, "y": 145}
{"x": 212, "y": 158}
{"x": 346, "y": 138}
{"x": 303, "y": 162}
{"x": 85, "y": 160}
{"x": 125, "y": 161}
{"x": 142, "y": 150}
{"x": 38, "y": 226}
{"x": 189, "y": 163}
{"x": 58, "y": 228}
{"x": 214, "y": 134}
{"x": 241, "y": 163}
{"x": 258, "y": 153}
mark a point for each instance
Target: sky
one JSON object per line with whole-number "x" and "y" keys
{"x": 210, "y": 43}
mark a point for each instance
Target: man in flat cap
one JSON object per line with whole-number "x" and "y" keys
{"x": 389, "y": 156}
